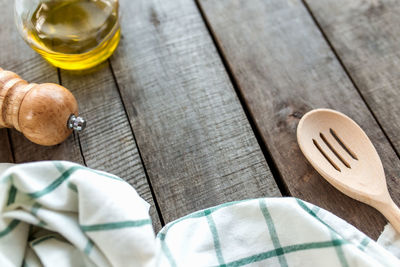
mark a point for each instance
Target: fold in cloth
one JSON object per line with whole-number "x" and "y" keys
{"x": 63, "y": 214}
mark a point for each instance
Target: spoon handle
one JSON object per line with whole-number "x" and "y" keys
{"x": 392, "y": 213}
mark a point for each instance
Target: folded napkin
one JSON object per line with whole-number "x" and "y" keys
{"x": 63, "y": 214}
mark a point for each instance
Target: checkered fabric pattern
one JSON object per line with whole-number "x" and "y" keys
{"x": 64, "y": 214}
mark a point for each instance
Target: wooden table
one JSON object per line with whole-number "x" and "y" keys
{"x": 199, "y": 104}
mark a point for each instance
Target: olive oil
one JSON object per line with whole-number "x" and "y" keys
{"x": 75, "y": 34}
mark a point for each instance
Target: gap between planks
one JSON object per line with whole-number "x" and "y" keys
{"x": 157, "y": 206}
{"x": 329, "y": 43}
{"x": 274, "y": 91}
{"x": 75, "y": 134}
{"x": 283, "y": 188}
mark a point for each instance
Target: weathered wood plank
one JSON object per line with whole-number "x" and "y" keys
{"x": 16, "y": 56}
{"x": 5, "y": 149}
{"x": 283, "y": 68}
{"x": 197, "y": 145}
{"x": 366, "y": 37}
{"x": 108, "y": 143}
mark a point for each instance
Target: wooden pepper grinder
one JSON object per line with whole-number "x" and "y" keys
{"x": 45, "y": 113}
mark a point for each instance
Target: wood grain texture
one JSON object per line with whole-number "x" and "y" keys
{"x": 359, "y": 175}
{"x": 366, "y": 36}
{"x": 197, "y": 145}
{"x": 284, "y": 68}
{"x": 5, "y": 148}
{"x": 107, "y": 142}
{"x": 15, "y": 55}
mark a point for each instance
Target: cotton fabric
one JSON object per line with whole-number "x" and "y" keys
{"x": 63, "y": 214}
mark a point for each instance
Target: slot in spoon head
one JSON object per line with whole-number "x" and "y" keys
{"x": 343, "y": 154}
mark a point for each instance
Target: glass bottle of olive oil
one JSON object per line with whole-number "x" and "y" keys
{"x": 70, "y": 34}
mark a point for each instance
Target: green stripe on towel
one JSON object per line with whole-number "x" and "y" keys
{"x": 285, "y": 250}
{"x": 42, "y": 224}
{"x": 73, "y": 187}
{"x": 115, "y": 225}
{"x": 339, "y": 251}
{"x": 35, "y": 208}
{"x": 64, "y": 176}
{"x": 56, "y": 183}
{"x": 11, "y": 195}
{"x": 106, "y": 175}
{"x": 166, "y": 250}
{"x": 214, "y": 232}
{"x": 200, "y": 213}
{"x": 9, "y": 228}
{"x": 40, "y": 240}
{"x": 89, "y": 247}
{"x": 364, "y": 243}
{"x": 59, "y": 166}
{"x": 309, "y": 211}
{"x": 272, "y": 232}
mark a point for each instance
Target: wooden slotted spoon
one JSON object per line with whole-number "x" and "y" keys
{"x": 343, "y": 154}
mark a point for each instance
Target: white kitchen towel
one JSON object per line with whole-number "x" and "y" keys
{"x": 63, "y": 214}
